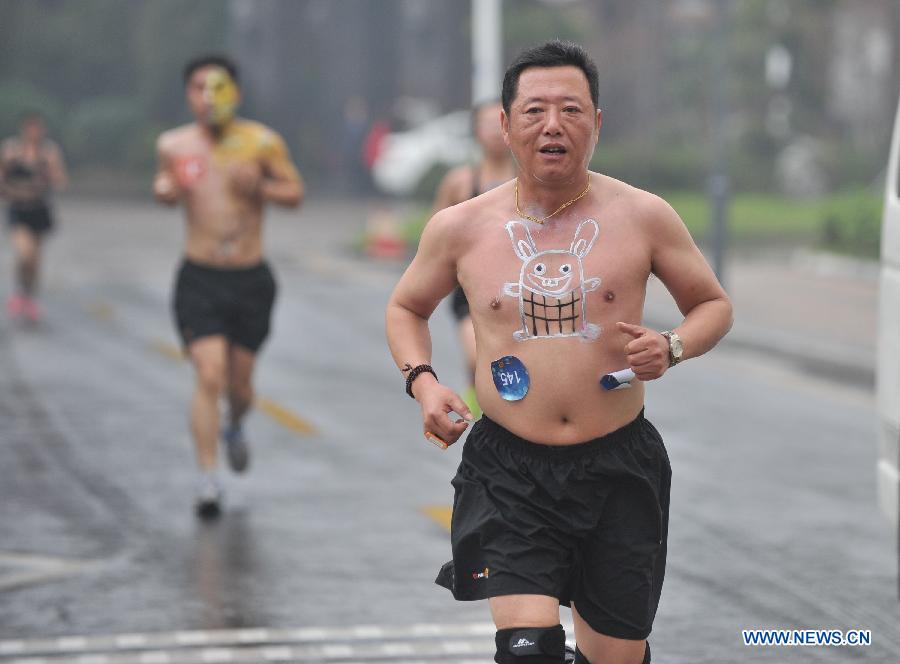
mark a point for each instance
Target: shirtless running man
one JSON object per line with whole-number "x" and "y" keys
{"x": 562, "y": 494}
{"x": 223, "y": 170}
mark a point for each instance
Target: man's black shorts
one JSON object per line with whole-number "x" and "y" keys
{"x": 236, "y": 303}
{"x": 37, "y": 218}
{"x": 585, "y": 523}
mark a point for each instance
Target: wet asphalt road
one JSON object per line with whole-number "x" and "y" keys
{"x": 336, "y": 526}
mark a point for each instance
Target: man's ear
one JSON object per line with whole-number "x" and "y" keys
{"x": 504, "y": 126}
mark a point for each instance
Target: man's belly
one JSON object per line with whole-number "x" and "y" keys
{"x": 564, "y": 403}
{"x": 223, "y": 234}
{"x": 223, "y": 252}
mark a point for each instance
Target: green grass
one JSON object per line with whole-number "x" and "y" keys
{"x": 750, "y": 216}
{"x": 847, "y": 221}
{"x": 414, "y": 224}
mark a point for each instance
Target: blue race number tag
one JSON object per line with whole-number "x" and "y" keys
{"x": 510, "y": 378}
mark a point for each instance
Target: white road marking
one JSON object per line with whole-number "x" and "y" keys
{"x": 191, "y": 638}
{"x": 368, "y": 632}
{"x": 279, "y": 654}
{"x": 408, "y": 644}
{"x": 155, "y": 658}
{"x": 26, "y": 569}
{"x": 253, "y": 635}
{"x": 93, "y": 659}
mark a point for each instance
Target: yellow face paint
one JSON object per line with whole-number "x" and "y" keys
{"x": 221, "y": 92}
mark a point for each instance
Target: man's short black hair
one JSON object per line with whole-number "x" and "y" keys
{"x": 556, "y": 53}
{"x": 211, "y": 60}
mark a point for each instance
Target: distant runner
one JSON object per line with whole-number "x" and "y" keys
{"x": 223, "y": 170}
{"x": 31, "y": 168}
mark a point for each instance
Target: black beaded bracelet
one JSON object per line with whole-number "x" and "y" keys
{"x": 415, "y": 373}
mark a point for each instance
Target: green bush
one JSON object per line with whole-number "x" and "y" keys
{"x": 851, "y": 166}
{"x": 104, "y": 130}
{"x": 414, "y": 223}
{"x": 427, "y": 187}
{"x": 672, "y": 167}
{"x": 851, "y": 223}
{"x": 140, "y": 149}
{"x": 846, "y": 222}
{"x": 16, "y": 97}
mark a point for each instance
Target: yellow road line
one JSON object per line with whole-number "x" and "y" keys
{"x": 101, "y": 311}
{"x": 440, "y": 514}
{"x": 285, "y": 417}
{"x": 171, "y": 351}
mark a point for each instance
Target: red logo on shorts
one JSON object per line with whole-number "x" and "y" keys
{"x": 485, "y": 573}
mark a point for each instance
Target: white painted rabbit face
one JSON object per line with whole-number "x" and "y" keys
{"x": 553, "y": 273}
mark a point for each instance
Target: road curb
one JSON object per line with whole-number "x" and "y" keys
{"x": 818, "y": 357}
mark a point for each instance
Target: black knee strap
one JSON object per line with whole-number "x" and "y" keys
{"x": 581, "y": 659}
{"x": 531, "y": 645}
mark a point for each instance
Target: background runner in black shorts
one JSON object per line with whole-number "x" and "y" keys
{"x": 223, "y": 170}
{"x": 236, "y": 303}
{"x": 36, "y": 219}
{"x": 31, "y": 168}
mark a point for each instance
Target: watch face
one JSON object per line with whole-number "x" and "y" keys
{"x": 677, "y": 347}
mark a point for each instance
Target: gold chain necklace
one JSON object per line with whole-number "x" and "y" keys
{"x": 557, "y": 210}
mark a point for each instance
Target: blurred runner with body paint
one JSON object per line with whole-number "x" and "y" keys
{"x": 223, "y": 170}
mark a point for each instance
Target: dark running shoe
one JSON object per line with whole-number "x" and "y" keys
{"x": 236, "y": 448}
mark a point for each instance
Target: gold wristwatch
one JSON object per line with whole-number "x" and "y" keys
{"x": 676, "y": 349}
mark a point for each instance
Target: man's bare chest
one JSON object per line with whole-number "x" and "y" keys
{"x": 554, "y": 282}
{"x": 197, "y": 163}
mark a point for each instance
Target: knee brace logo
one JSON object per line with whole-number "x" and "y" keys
{"x": 535, "y": 644}
{"x": 552, "y": 286}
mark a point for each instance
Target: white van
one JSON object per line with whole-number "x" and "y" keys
{"x": 888, "y": 366}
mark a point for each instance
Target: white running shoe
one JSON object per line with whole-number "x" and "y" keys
{"x": 209, "y": 497}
